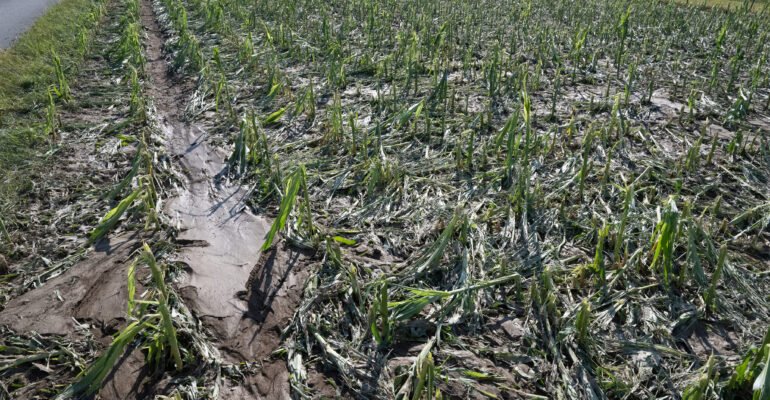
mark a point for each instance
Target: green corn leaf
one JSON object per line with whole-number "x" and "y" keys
{"x": 168, "y": 331}
{"x": 127, "y": 180}
{"x": 113, "y": 216}
{"x": 762, "y": 383}
{"x": 345, "y": 241}
{"x": 287, "y": 203}
{"x": 92, "y": 378}
{"x": 275, "y": 116}
{"x": 131, "y": 288}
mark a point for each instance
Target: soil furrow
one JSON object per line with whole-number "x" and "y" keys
{"x": 206, "y": 209}
{"x": 225, "y": 238}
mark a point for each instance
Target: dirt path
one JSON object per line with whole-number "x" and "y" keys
{"x": 220, "y": 234}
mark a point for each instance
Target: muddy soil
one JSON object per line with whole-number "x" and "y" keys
{"x": 91, "y": 293}
{"x": 243, "y": 306}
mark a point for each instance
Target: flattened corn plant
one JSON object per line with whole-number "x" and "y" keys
{"x": 155, "y": 314}
{"x": 142, "y": 183}
{"x": 461, "y": 167}
{"x": 466, "y": 165}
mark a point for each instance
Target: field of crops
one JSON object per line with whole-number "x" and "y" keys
{"x": 388, "y": 199}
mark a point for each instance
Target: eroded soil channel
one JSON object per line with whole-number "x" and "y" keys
{"x": 220, "y": 237}
{"x": 243, "y": 300}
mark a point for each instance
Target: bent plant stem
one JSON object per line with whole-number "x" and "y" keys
{"x": 664, "y": 242}
{"x": 619, "y": 239}
{"x": 710, "y": 297}
{"x": 420, "y": 298}
{"x": 4, "y": 231}
{"x": 296, "y": 181}
{"x": 113, "y": 216}
{"x": 94, "y": 375}
{"x": 421, "y": 375}
{"x": 168, "y": 324}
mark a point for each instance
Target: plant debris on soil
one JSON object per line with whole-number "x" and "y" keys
{"x": 395, "y": 200}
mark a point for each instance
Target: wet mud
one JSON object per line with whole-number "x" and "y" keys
{"x": 244, "y": 298}
{"x": 92, "y": 293}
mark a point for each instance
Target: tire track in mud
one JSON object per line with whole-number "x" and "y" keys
{"x": 243, "y": 305}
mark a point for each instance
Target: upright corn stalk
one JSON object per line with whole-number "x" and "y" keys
{"x": 62, "y": 89}
{"x": 51, "y": 119}
{"x": 168, "y": 332}
{"x": 297, "y": 182}
{"x": 4, "y": 232}
{"x": 751, "y": 375}
{"x": 761, "y": 385}
{"x": 620, "y": 236}
{"x": 251, "y": 147}
{"x": 622, "y": 35}
{"x": 711, "y": 294}
{"x": 598, "y": 264}
{"x": 379, "y": 320}
{"x": 664, "y": 240}
{"x": 586, "y": 162}
{"x": 582, "y": 323}
{"x": 511, "y": 145}
{"x": 136, "y": 105}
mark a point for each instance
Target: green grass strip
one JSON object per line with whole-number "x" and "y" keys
{"x": 27, "y": 70}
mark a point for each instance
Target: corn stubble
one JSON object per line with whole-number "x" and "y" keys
{"x": 458, "y": 167}
{"x": 466, "y": 154}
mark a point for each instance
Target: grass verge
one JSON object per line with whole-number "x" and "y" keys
{"x": 28, "y": 70}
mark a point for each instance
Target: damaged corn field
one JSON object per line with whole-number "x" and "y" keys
{"x": 387, "y": 199}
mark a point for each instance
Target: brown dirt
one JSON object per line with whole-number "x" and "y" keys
{"x": 93, "y": 291}
{"x": 323, "y": 385}
{"x": 127, "y": 378}
{"x": 91, "y": 294}
{"x": 274, "y": 292}
{"x": 707, "y": 339}
{"x": 661, "y": 99}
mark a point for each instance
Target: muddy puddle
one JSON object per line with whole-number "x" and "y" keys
{"x": 221, "y": 237}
